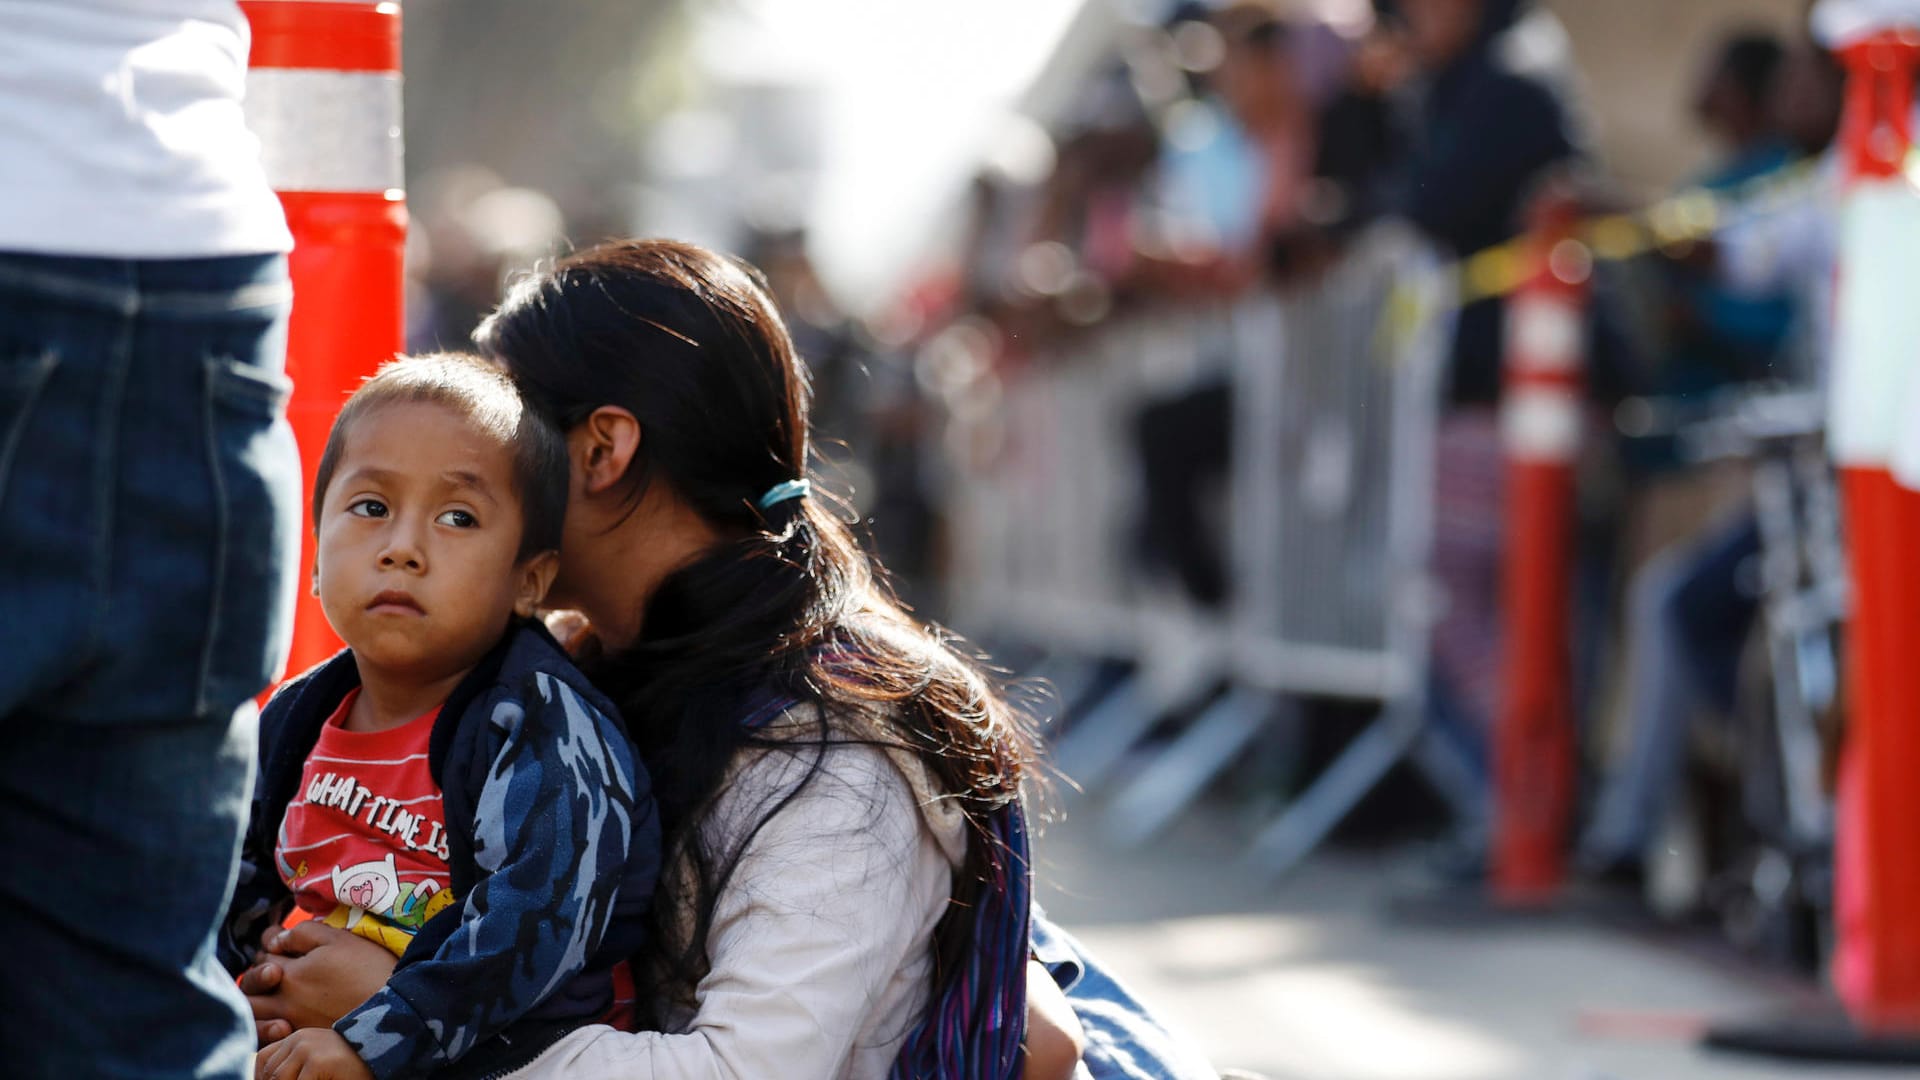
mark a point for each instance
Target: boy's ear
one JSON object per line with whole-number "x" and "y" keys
{"x": 603, "y": 446}
{"x": 316, "y": 578}
{"x": 532, "y": 579}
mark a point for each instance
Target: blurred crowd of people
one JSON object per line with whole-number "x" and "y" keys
{"x": 1241, "y": 146}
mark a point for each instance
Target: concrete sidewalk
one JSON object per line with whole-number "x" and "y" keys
{"x": 1311, "y": 979}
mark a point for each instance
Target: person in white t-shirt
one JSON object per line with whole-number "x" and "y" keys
{"x": 149, "y": 515}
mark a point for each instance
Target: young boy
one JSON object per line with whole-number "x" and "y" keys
{"x": 449, "y": 785}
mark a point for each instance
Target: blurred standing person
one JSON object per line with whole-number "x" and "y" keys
{"x": 1230, "y": 196}
{"x": 1488, "y": 124}
{"x": 1239, "y": 163}
{"x": 1720, "y": 336}
{"x": 821, "y": 333}
{"x": 1693, "y": 606}
{"x": 1791, "y": 247}
{"x": 477, "y": 233}
{"x": 149, "y": 485}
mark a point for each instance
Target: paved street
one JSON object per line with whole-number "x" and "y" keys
{"x": 1310, "y": 980}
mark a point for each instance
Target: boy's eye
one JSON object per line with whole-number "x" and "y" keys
{"x": 459, "y": 519}
{"x": 370, "y": 508}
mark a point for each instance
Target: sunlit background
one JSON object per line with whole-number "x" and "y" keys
{"x": 862, "y": 121}
{"x": 1000, "y": 231}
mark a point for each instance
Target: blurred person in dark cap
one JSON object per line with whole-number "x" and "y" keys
{"x": 1489, "y": 121}
{"x": 150, "y": 489}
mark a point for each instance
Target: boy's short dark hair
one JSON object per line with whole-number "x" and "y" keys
{"x": 482, "y": 394}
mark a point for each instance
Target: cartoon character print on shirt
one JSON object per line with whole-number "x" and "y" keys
{"x": 399, "y": 908}
{"x": 363, "y": 846}
{"x": 366, "y": 887}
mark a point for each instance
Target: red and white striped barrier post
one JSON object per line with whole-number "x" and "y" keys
{"x": 323, "y": 95}
{"x": 1876, "y": 357}
{"x": 1540, "y": 421}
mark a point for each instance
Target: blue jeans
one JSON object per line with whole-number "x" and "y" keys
{"x": 149, "y": 527}
{"x": 1691, "y": 611}
{"x": 1124, "y": 1041}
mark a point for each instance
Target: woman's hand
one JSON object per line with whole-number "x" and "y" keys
{"x": 315, "y": 1054}
{"x": 314, "y": 975}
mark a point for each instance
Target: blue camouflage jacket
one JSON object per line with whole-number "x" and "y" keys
{"x": 555, "y": 845}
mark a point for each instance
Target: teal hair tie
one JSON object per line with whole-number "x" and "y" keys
{"x": 779, "y": 493}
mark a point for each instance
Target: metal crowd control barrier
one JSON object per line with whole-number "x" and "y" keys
{"x": 1804, "y": 595}
{"x": 1332, "y": 480}
{"x": 1043, "y": 533}
{"x": 1328, "y": 510}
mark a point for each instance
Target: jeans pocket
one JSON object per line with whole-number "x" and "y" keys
{"x": 22, "y": 376}
{"x": 255, "y": 467}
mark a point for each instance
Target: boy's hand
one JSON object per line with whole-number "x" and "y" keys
{"x": 310, "y": 1054}
{"x": 310, "y": 977}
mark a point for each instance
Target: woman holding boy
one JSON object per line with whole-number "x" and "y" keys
{"x": 845, "y": 885}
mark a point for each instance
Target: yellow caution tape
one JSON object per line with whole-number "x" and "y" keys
{"x": 1673, "y": 223}
{"x": 1670, "y": 225}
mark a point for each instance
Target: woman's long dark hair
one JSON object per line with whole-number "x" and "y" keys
{"x": 788, "y": 604}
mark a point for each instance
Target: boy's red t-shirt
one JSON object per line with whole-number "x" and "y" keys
{"x": 363, "y": 844}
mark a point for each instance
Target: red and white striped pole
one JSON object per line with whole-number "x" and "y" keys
{"x": 1540, "y": 421}
{"x": 1876, "y": 357}
{"x": 323, "y": 95}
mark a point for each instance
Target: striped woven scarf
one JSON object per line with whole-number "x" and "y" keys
{"x": 979, "y": 1018}
{"x": 977, "y": 1021}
